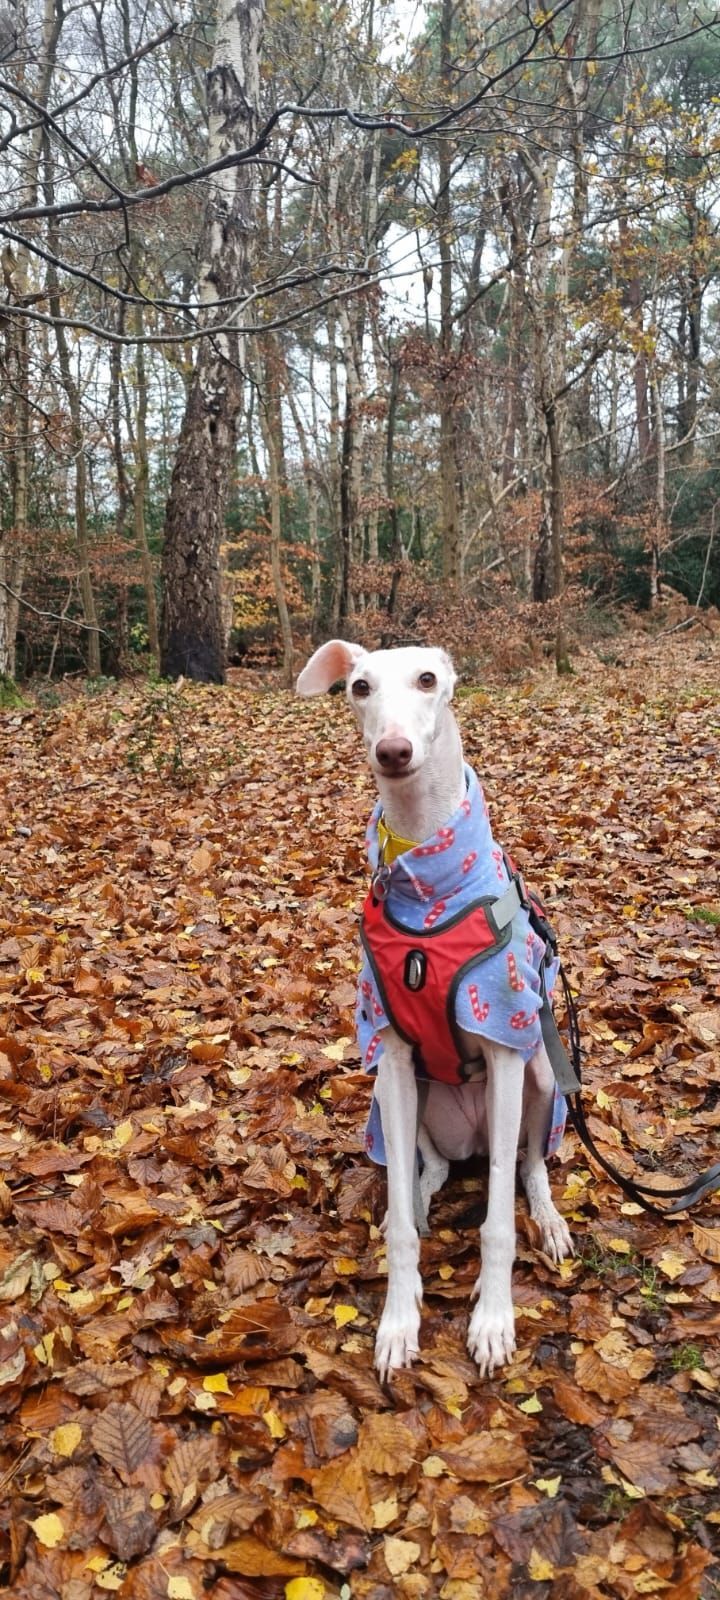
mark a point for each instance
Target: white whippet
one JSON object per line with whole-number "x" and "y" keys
{"x": 401, "y": 699}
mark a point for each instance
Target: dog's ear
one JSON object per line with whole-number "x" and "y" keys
{"x": 332, "y": 661}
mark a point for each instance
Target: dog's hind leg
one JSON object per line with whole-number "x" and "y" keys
{"x": 435, "y": 1168}
{"x": 539, "y": 1091}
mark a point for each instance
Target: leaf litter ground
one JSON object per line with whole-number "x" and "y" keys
{"x": 191, "y": 1268}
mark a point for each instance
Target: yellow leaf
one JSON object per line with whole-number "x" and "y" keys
{"x": 275, "y": 1424}
{"x": 66, "y": 1438}
{"x": 630, "y": 1209}
{"x": 34, "y": 974}
{"x": 531, "y": 1405}
{"x": 43, "y": 1352}
{"x": 344, "y": 1314}
{"x": 336, "y": 1050}
{"x": 180, "y": 1588}
{"x": 620, "y": 1246}
{"x": 306, "y": 1517}
{"x": 346, "y": 1266}
{"x": 446, "y": 1272}
{"x": 399, "y": 1554}
{"x": 672, "y": 1264}
{"x": 216, "y": 1383}
{"x": 539, "y": 1568}
{"x": 384, "y": 1511}
{"x": 305, "y": 1589}
{"x": 704, "y": 1479}
{"x": 603, "y": 1100}
{"x": 548, "y": 1486}
{"x": 123, "y": 1134}
{"x": 433, "y": 1467}
{"x": 49, "y": 1529}
{"x": 112, "y": 1577}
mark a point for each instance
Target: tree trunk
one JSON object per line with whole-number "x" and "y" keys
{"x": 449, "y": 519}
{"x": 658, "y": 534}
{"x": 191, "y": 635}
{"x": 16, "y": 272}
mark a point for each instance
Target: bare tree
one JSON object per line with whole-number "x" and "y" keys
{"x": 191, "y": 635}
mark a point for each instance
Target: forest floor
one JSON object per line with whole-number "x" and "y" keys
{"x": 191, "y": 1267}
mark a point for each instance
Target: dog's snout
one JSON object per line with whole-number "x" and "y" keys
{"x": 394, "y": 755}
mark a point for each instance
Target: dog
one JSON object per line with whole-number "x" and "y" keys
{"x": 434, "y": 855}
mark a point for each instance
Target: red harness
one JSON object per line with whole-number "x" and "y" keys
{"x": 418, "y": 973}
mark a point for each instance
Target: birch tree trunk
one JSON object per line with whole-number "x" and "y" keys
{"x": 16, "y": 272}
{"x": 191, "y": 635}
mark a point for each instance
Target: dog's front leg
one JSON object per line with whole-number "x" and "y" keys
{"x": 396, "y": 1090}
{"x": 491, "y": 1336}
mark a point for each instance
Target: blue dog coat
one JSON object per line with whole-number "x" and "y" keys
{"x": 498, "y": 999}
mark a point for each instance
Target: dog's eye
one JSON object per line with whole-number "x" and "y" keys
{"x": 361, "y": 688}
{"x": 427, "y": 680}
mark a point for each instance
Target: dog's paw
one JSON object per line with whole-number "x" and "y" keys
{"x": 491, "y": 1336}
{"x": 556, "y": 1237}
{"x": 398, "y": 1335}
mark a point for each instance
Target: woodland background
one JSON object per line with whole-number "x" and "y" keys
{"x": 456, "y": 320}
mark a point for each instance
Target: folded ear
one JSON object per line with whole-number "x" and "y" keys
{"x": 332, "y": 661}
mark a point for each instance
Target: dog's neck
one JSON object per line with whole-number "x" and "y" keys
{"x": 417, "y": 806}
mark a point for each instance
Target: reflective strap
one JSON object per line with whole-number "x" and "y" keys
{"x": 566, "y": 1077}
{"x": 506, "y": 906}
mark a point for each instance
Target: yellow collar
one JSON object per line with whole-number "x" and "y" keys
{"x": 391, "y": 844}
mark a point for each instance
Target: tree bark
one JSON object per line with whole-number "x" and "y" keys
{"x": 192, "y": 635}
{"x": 449, "y": 518}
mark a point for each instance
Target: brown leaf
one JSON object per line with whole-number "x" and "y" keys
{"x": 491, "y": 1457}
{"x": 131, "y": 1526}
{"x": 707, "y": 1242}
{"x": 386, "y": 1445}
{"x": 122, "y": 1437}
{"x": 341, "y": 1489}
{"x": 254, "y": 1559}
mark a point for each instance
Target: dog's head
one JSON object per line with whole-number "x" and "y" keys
{"x": 398, "y": 696}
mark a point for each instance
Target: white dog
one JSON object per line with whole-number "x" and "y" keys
{"x": 487, "y": 1082}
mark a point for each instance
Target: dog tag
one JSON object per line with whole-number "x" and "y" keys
{"x": 415, "y": 965}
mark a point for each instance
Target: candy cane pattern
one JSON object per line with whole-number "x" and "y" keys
{"x": 366, "y": 989}
{"x": 424, "y": 890}
{"x": 520, "y": 1019}
{"x": 377, "y": 1009}
{"x": 466, "y": 808}
{"x": 469, "y": 861}
{"x": 497, "y": 856}
{"x": 480, "y": 1008}
{"x": 529, "y": 947}
{"x": 371, "y": 1051}
{"x": 445, "y": 838}
{"x": 516, "y": 982}
{"x": 434, "y": 913}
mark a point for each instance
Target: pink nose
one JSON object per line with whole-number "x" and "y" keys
{"x": 393, "y": 754}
